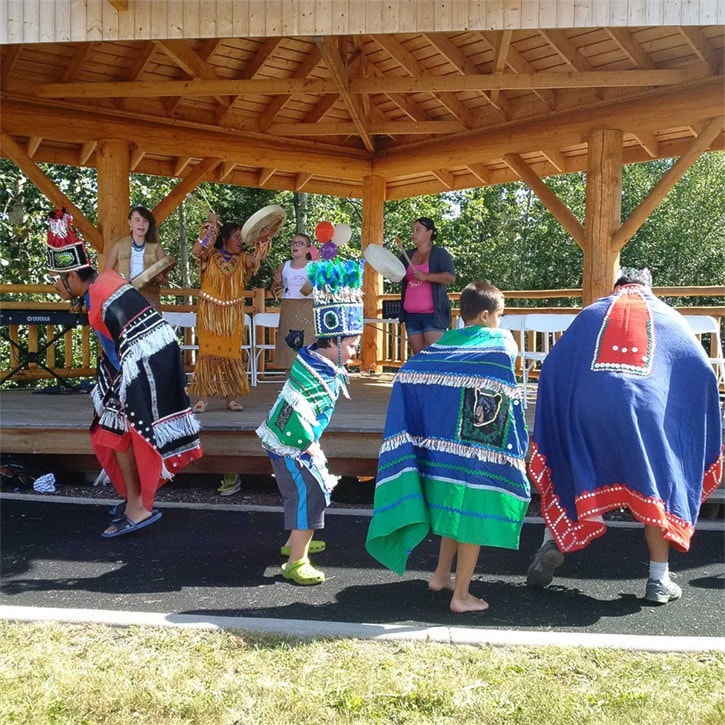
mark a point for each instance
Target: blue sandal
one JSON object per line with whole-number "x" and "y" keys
{"x": 125, "y": 525}
{"x": 118, "y": 510}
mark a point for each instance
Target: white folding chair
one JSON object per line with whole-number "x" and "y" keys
{"x": 515, "y": 323}
{"x": 262, "y": 324}
{"x": 706, "y": 325}
{"x": 182, "y": 321}
{"x": 547, "y": 328}
{"x": 248, "y": 346}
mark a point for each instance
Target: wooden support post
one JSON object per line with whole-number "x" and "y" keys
{"x": 603, "y": 214}
{"x": 113, "y": 164}
{"x": 372, "y": 233}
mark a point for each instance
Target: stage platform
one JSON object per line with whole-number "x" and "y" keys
{"x": 54, "y": 428}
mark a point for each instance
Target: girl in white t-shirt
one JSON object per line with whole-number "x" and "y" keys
{"x": 296, "y": 327}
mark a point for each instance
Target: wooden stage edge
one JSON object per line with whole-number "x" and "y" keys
{"x": 54, "y": 429}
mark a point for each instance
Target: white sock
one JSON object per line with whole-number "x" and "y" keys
{"x": 659, "y": 571}
{"x": 547, "y": 536}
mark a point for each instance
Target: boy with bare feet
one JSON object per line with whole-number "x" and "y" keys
{"x": 453, "y": 451}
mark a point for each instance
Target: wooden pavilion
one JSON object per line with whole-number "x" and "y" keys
{"x": 373, "y": 99}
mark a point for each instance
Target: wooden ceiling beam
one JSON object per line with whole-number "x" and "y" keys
{"x": 381, "y": 128}
{"x": 301, "y": 181}
{"x": 24, "y": 119}
{"x": 264, "y": 176}
{"x": 548, "y": 198}
{"x": 519, "y": 64}
{"x": 436, "y": 85}
{"x": 181, "y": 53}
{"x": 142, "y": 61}
{"x": 481, "y": 172}
{"x": 556, "y": 159}
{"x": 8, "y": 64}
{"x": 464, "y": 66}
{"x": 648, "y": 142}
{"x": 33, "y": 144}
{"x": 225, "y": 170}
{"x": 183, "y": 56}
{"x": 338, "y": 71}
{"x": 445, "y": 177}
{"x": 568, "y": 52}
{"x": 406, "y": 59}
{"x": 403, "y": 102}
{"x": 628, "y": 45}
{"x": 279, "y": 102}
{"x": 140, "y": 65}
{"x": 86, "y": 152}
{"x": 499, "y": 57}
{"x": 79, "y": 59}
{"x": 680, "y": 107}
{"x": 250, "y": 71}
{"x": 135, "y": 158}
{"x": 181, "y": 163}
{"x": 702, "y": 48}
{"x": 321, "y": 108}
{"x": 46, "y": 186}
{"x": 527, "y": 81}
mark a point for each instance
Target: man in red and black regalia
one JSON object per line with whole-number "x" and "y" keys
{"x": 143, "y": 431}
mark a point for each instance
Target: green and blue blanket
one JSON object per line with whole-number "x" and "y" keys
{"x": 452, "y": 458}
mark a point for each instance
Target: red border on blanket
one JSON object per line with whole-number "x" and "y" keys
{"x": 573, "y": 535}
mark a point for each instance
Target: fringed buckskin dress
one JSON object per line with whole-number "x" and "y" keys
{"x": 220, "y": 370}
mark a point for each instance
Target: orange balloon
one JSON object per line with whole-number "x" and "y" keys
{"x": 324, "y": 232}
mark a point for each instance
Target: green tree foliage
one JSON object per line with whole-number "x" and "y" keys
{"x": 683, "y": 240}
{"x": 23, "y": 210}
{"x": 500, "y": 233}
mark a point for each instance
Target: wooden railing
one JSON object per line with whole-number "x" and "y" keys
{"x": 73, "y": 355}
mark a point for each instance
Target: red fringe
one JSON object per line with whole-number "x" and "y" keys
{"x": 573, "y": 535}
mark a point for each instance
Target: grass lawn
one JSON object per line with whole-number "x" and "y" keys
{"x": 66, "y": 673}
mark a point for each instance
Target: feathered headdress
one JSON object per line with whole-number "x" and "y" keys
{"x": 337, "y": 297}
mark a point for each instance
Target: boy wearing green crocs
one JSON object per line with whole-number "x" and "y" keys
{"x": 292, "y": 430}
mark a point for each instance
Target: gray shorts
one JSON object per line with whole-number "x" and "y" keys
{"x": 304, "y": 495}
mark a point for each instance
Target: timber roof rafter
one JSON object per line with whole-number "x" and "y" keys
{"x": 428, "y": 111}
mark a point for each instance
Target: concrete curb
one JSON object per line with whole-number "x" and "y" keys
{"x": 702, "y": 525}
{"x": 384, "y": 632}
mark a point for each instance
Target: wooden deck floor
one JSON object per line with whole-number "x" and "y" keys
{"x": 55, "y": 427}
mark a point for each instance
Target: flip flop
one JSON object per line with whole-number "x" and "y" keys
{"x": 125, "y": 525}
{"x": 234, "y": 405}
{"x": 199, "y": 406}
{"x": 315, "y": 548}
{"x": 117, "y": 510}
{"x": 302, "y": 572}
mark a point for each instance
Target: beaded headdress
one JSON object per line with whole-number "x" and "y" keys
{"x": 337, "y": 297}
{"x": 66, "y": 251}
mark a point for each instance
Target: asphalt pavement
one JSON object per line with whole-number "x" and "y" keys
{"x": 219, "y": 563}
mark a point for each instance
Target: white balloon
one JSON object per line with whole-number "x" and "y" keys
{"x": 342, "y": 234}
